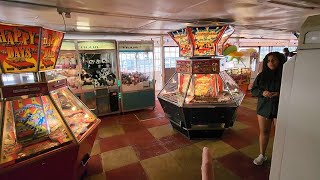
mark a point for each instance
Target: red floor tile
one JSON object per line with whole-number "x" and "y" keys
{"x": 250, "y": 134}
{"x": 247, "y": 112}
{"x": 175, "y": 141}
{"x": 235, "y": 140}
{"x": 149, "y": 149}
{"x": 114, "y": 142}
{"x": 105, "y": 121}
{"x": 129, "y": 118}
{"x": 130, "y": 172}
{"x": 133, "y": 127}
{"x": 248, "y": 119}
{"x": 94, "y": 165}
{"x": 242, "y": 166}
{"x": 139, "y": 137}
{"x": 149, "y": 114}
{"x": 155, "y": 122}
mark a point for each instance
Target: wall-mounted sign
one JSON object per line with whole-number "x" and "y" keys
{"x": 96, "y": 45}
{"x": 50, "y": 46}
{"x": 19, "y": 48}
{"x": 204, "y": 39}
{"x": 182, "y": 39}
{"x": 68, "y": 46}
{"x": 136, "y": 46}
{"x": 211, "y": 66}
{"x": 183, "y": 66}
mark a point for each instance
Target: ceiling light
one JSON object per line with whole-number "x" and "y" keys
{"x": 83, "y": 27}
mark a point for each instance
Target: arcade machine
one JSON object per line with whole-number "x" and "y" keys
{"x": 296, "y": 145}
{"x": 100, "y": 88}
{"x": 46, "y": 132}
{"x": 137, "y": 75}
{"x": 92, "y": 73}
{"x": 201, "y": 99}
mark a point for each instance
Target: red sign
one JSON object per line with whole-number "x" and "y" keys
{"x": 204, "y": 39}
{"x": 50, "y": 46}
{"x": 226, "y": 35}
{"x": 183, "y": 66}
{"x": 182, "y": 39}
{"x": 19, "y": 48}
{"x": 211, "y": 66}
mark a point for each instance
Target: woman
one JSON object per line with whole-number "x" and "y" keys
{"x": 267, "y": 88}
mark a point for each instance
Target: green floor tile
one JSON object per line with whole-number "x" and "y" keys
{"x": 217, "y": 148}
{"x": 110, "y": 131}
{"x": 239, "y": 126}
{"x": 163, "y": 167}
{"x": 189, "y": 158}
{"x": 118, "y": 158}
{"x": 222, "y": 173}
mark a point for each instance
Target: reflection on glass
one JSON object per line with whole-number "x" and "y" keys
{"x": 176, "y": 88}
{"x": 78, "y": 117}
{"x": 207, "y": 88}
{"x": 31, "y": 126}
{"x": 233, "y": 87}
{"x": 202, "y": 89}
{"x": 12, "y": 79}
{"x": 136, "y": 70}
{"x": 68, "y": 66}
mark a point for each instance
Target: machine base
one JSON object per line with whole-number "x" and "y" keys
{"x": 199, "y": 123}
{"x": 199, "y": 134}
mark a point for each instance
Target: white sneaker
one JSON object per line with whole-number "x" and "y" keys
{"x": 259, "y": 160}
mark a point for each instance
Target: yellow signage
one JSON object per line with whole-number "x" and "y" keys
{"x": 96, "y": 45}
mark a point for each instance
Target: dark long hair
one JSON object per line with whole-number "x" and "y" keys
{"x": 269, "y": 75}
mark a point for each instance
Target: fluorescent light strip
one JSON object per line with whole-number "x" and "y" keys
{"x": 83, "y": 27}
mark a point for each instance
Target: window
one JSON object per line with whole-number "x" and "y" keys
{"x": 157, "y": 58}
{"x": 277, "y": 49}
{"x": 171, "y": 55}
{"x": 136, "y": 62}
{"x": 263, "y": 52}
{"x": 293, "y": 48}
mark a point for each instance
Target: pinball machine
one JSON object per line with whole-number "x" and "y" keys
{"x": 43, "y": 125}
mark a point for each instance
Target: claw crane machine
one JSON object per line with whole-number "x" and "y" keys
{"x": 137, "y": 75}
{"x": 46, "y": 132}
{"x": 201, "y": 99}
{"x": 100, "y": 90}
{"x": 296, "y": 145}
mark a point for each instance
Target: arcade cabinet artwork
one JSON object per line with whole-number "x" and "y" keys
{"x": 201, "y": 99}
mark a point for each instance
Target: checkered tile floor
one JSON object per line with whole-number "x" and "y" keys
{"x": 143, "y": 146}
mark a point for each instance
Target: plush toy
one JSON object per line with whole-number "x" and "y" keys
{"x": 97, "y": 83}
{"x": 133, "y": 78}
{"x": 91, "y": 64}
{"x": 104, "y": 63}
{"x": 86, "y": 78}
{"x": 111, "y": 79}
{"x": 98, "y": 64}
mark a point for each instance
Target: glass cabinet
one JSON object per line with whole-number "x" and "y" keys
{"x": 137, "y": 75}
